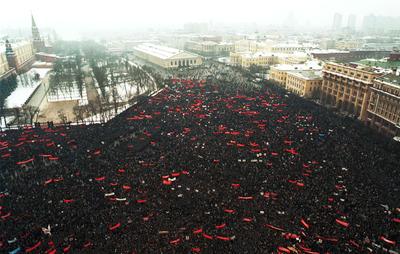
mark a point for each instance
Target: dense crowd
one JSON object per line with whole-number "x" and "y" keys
{"x": 202, "y": 168}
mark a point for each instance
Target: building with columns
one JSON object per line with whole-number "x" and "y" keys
{"x": 347, "y": 87}
{"x": 166, "y": 57}
{"x": 383, "y": 112}
{"x": 210, "y": 48}
{"x": 247, "y": 59}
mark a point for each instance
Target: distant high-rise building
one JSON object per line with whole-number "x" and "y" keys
{"x": 380, "y": 24}
{"x": 351, "y": 22}
{"x": 337, "y": 21}
{"x": 369, "y": 23}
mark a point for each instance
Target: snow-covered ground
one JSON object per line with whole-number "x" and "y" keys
{"x": 110, "y": 114}
{"x": 68, "y": 94}
{"x": 125, "y": 91}
{"x": 25, "y": 87}
{"x": 9, "y": 119}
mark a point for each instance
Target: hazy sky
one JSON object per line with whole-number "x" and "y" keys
{"x": 76, "y": 15}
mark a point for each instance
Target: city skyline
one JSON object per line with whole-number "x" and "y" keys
{"x": 74, "y": 17}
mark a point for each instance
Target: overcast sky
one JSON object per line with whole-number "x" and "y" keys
{"x": 76, "y": 15}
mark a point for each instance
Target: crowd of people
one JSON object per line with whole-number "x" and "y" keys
{"x": 202, "y": 168}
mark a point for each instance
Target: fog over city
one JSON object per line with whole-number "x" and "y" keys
{"x": 207, "y": 126}
{"x": 73, "y": 18}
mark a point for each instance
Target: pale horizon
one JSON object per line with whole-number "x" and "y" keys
{"x": 68, "y": 17}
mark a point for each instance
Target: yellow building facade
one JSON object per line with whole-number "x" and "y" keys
{"x": 290, "y": 48}
{"x": 210, "y": 48}
{"x": 166, "y": 57}
{"x": 383, "y": 111}
{"x": 279, "y": 72}
{"x": 304, "y": 83}
{"x": 24, "y": 52}
{"x": 248, "y": 59}
{"x": 253, "y": 46}
{"x": 22, "y": 57}
{"x": 3, "y": 64}
{"x": 346, "y": 87}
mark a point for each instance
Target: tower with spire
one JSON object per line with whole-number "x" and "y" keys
{"x": 38, "y": 43}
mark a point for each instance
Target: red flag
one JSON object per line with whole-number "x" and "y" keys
{"x": 245, "y": 198}
{"x": 30, "y": 249}
{"x": 283, "y": 249}
{"x": 229, "y": 211}
{"x": 197, "y": 231}
{"x": 24, "y": 162}
{"x": 223, "y": 238}
{"x": 220, "y": 226}
{"x": 102, "y": 178}
{"x": 167, "y": 182}
{"x": 387, "y": 240}
{"x": 342, "y": 223}
{"x": 207, "y": 236}
{"x": 235, "y": 185}
{"x": 196, "y": 249}
{"x": 396, "y": 220}
{"x": 274, "y": 227}
{"x": 176, "y": 241}
{"x": 66, "y": 249}
{"x": 114, "y": 227}
{"x": 305, "y": 224}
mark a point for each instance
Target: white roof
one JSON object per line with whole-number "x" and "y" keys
{"x": 327, "y": 51}
{"x": 310, "y": 65}
{"x": 159, "y": 51}
{"x": 258, "y": 54}
{"x": 292, "y": 45}
{"x": 307, "y": 74}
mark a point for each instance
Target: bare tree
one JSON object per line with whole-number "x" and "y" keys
{"x": 62, "y": 116}
{"x": 29, "y": 113}
{"x": 17, "y": 115}
{"x": 78, "y": 112}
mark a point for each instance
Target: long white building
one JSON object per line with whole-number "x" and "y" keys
{"x": 166, "y": 57}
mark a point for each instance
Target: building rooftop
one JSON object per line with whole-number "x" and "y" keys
{"x": 310, "y": 65}
{"x": 292, "y": 45}
{"x": 308, "y": 74}
{"x": 360, "y": 67}
{"x": 327, "y": 51}
{"x": 391, "y": 79}
{"x": 159, "y": 51}
{"x": 384, "y": 63}
{"x": 14, "y": 45}
{"x": 258, "y": 54}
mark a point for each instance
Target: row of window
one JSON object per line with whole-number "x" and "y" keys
{"x": 389, "y": 90}
{"x": 183, "y": 62}
{"x": 351, "y": 73}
